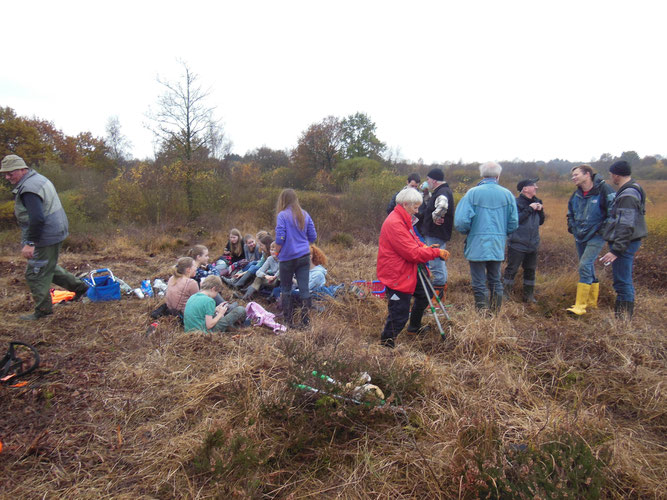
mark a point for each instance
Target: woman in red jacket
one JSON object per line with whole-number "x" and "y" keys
{"x": 398, "y": 255}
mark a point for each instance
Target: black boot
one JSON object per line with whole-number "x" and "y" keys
{"x": 481, "y": 302}
{"x": 529, "y": 294}
{"x": 287, "y": 309}
{"x": 227, "y": 281}
{"x": 305, "y": 312}
{"x": 496, "y": 302}
{"x": 624, "y": 309}
{"x": 415, "y": 325}
{"x": 249, "y": 293}
{"x": 508, "y": 286}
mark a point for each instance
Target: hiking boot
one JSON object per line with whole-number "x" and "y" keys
{"x": 33, "y": 316}
{"x": 529, "y": 294}
{"x": 387, "y": 343}
{"x": 413, "y": 331}
{"x": 481, "y": 302}
{"x": 623, "y": 309}
{"x": 508, "y": 286}
{"x": 80, "y": 293}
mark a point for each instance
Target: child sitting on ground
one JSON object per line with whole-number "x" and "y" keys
{"x": 267, "y": 275}
{"x": 242, "y": 278}
{"x": 200, "y": 255}
{"x": 251, "y": 251}
{"x": 201, "y": 313}
{"x": 181, "y": 286}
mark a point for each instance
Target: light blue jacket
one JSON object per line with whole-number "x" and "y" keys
{"x": 486, "y": 214}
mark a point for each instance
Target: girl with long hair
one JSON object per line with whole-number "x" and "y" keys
{"x": 181, "y": 286}
{"x": 295, "y": 232}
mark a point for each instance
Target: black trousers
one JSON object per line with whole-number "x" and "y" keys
{"x": 526, "y": 259}
{"x": 398, "y": 304}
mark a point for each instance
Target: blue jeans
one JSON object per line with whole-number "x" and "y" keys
{"x": 588, "y": 252}
{"x": 437, "y": 266}
{"x": 483, "y": 273}
{"x": 622, "y": 269}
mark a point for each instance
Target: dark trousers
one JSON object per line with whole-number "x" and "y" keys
{"x": 398, "y": 305}
{"x": 42, "y": 270}
{"x": 299, "y": 267}
{"x": 528, "y": 260}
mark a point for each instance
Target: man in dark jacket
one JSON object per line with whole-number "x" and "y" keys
{"x": 523, "y": 243}
{"x": 624, "y": 230}
{"x": 586, "y": 212}
{"x": 437, "y": 220}
{"x": 413, "y": 182}
{"x": 43, "y": 229}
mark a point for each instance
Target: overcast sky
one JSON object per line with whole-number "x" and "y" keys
{"x": 443, "y": 81}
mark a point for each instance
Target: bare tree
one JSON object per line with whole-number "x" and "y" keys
{"x": 185, "y": 127}
{"x": 118, "y": 144}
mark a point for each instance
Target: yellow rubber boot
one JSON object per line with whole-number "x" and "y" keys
{"x": 592, "y": 302}
{"x": 583, "y": 291}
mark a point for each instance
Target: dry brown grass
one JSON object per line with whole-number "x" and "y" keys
{"x": 122, "y": 414}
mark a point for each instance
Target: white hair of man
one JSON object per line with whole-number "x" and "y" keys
{"x": 490, "y": 169}
{"x": 409, "y": 196}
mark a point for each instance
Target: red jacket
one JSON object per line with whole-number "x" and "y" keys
{"x": 400, "y": 251}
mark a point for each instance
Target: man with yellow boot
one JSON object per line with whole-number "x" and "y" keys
{"x": 586, "y": 213}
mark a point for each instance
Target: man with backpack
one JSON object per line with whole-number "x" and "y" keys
{"x": 624, "y": 230}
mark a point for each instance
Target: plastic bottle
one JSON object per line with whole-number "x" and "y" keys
{"x": 147, "y": 288}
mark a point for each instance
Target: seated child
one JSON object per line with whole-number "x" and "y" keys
{"x": 200, "y": 255}
{"x": 267, "y": 275}
{"x": 251, "y": 251}
{"x": 181, "y": 286}
{"x": 242, "y": 278}
{"x": 201, "y": 313}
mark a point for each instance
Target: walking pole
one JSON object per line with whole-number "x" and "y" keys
{"x": 442, "y": 306}
{"x": 435, "y": 315}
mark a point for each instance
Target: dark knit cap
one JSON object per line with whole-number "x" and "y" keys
{"x": 526, "y": 182}
{"x": 621, "y": 167}
{"x": 436, "y": 174}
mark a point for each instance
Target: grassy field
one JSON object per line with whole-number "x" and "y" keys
{"x": 530, "y": 404}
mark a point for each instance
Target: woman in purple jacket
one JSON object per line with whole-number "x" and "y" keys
{"x": 295, "y": 232}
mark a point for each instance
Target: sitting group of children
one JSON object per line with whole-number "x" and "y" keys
{"x": 194, "y": 291}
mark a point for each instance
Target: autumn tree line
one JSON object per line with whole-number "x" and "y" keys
{"x": 346, "y": 173}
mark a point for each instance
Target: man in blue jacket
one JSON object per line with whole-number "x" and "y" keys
{"x": 44, "y": 227}
{"x": 523, "y": 243}
{"x": 586, "y": 212}
{"x": 486, "y": 214}
{"x": 624, "y": 230}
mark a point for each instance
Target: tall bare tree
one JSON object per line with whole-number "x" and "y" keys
{"x": 185, "y": 127}
{"x": 118, "y": 144}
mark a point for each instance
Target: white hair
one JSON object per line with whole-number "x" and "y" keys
{"x": 490, "y": 169}
{"x": 409, "y": 196}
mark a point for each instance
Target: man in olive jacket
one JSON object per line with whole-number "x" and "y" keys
{"x": 523, "y": 243}
{"x": 44, "y": 227}
{"x": 624, "y": 229}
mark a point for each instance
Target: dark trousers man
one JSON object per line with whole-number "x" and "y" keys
{"x": 528, "y": 260}
{"x": 399, "y": 313}
{"x": 42, "y": 270}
